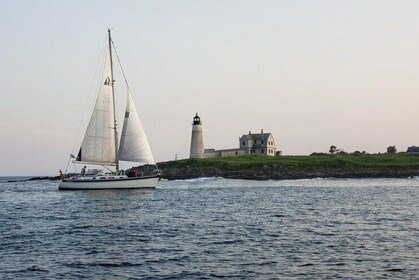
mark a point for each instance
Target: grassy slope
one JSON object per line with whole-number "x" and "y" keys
{"x": 285, "y": 167}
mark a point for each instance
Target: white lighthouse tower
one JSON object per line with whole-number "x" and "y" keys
{"x": 197, "y": 139}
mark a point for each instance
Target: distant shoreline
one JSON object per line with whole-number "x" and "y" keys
{"x": 29, "y": 178}
{"x": 254, "y": 178}
{"x": 285, "y": 167}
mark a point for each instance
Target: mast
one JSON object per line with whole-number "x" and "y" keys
{"x": 113, "y": 99}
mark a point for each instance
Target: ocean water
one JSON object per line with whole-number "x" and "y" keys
{"x": 210, "y": 228}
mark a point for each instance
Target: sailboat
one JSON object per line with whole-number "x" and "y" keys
{"x": 100, "y": 143}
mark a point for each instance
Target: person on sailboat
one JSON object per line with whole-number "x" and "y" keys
{"x": 83, "y": 171}
{"x": 61, "y": 175}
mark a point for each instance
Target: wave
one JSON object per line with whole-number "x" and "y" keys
{"x": 200, "y": 180}
{"x": 100, "y": 263}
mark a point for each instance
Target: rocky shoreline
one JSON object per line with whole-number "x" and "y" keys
{"x": 39, "y": 178}
{"x": 269, "y": 174}
{"x": 181, "y": 175}
{"x": 284, "y": 167}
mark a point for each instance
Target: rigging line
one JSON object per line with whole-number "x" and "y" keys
{"x": 101, "y": 60}
{"x": 120, "y": 65}
{"x": 123, "y": 74}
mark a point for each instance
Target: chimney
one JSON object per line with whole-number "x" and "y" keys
{"x": 261, "y": 131}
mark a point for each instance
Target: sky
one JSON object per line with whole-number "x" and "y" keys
{"x": 313, "y": 73}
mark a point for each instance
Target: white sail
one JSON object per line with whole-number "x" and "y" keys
{"x": 134, "y": 145}
{"x": 98, "y": 144}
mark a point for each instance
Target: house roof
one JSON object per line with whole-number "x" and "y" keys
{"x": 261, "y": 136}
{"x": 247, "y": 136}
{"x": 257, "y": 136}
{"x": 413, "y": 149}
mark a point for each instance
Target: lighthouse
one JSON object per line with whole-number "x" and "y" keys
{"x": 197, "y": 139}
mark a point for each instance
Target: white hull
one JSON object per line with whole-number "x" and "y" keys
{"x": 125, "y": 183}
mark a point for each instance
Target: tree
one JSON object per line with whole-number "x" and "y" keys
{"x": 391, "y": 150}
{"x": 332, "y": 149}
{"x": 341, "y": 152}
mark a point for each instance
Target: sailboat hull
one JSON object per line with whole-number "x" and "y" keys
{"x": 125, "y": 183}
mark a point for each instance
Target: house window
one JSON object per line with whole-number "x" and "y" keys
{"x": 244, "y": 143}
{"x": 262, "y": 141}
{"x": 263, "y": 151}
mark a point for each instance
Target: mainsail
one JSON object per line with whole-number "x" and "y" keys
{"x": 98, "y": 144}
{"x": 133, "y": 144}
